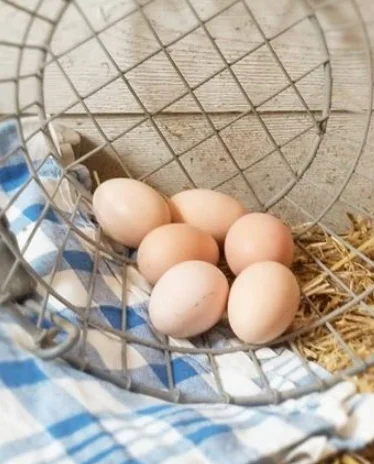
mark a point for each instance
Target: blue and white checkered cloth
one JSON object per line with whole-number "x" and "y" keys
{"x": 50, "y": 412}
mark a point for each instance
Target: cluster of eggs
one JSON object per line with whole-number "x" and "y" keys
{"x": 179, "y": 243}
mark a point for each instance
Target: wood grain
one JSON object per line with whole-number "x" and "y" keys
{"x": 143, "y": 151}
{"x": 255, "y": 79}
{"x": 156, "y": 82}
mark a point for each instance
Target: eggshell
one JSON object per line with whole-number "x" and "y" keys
{"x": 258, "y": 237}
{"x": 188, "y": 299}
{"x": 263, "y": 302}
{"x": 172, "y": 244}
{"x": 128, "y": 210}
{"x": 208, "y": 210}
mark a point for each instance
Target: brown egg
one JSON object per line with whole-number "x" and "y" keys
{"x": 172, "y": 244}
{"x": 258, "y": 237}
{"x": 128, "y": 210}
{"x": 208, "y": 210}
{"x": 188, "y": 299}
{"x": 263, "y": 302}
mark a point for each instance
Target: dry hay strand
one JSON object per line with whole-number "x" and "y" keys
{"x": 323, "y": 294}
{"x": 331, "y": 275}
{"x": 365, "y": 456}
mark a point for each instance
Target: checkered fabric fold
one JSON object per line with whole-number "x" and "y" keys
{"x": 51, "y": 412}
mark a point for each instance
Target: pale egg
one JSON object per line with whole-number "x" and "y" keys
{"x": 258, "y": 237}
{"x": 214, "y": 212}
{"x": 171, "y": 244}
{"x": 189, "y": 299}
{"x": 128, "y": 210}
{"x": 263, "y": 302}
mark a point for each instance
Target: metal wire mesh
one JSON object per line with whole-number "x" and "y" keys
{"x": 310, "y": 183}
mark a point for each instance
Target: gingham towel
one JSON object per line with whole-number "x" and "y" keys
{"x": 53, "y": 413}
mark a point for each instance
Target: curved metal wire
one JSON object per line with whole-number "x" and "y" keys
{"x": 320, "y": 124}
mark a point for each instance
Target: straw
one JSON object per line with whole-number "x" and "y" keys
{"x": 323, "y": 294}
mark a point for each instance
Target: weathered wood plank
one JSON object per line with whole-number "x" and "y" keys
{"x": 157, "y": 83}
{"x": 143, "y": 152}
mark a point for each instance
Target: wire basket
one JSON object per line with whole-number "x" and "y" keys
{"x": 269, "y": 101}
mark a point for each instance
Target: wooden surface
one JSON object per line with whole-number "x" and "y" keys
{"x": 178, "y": 127}
{"x": 156, "y": 83}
